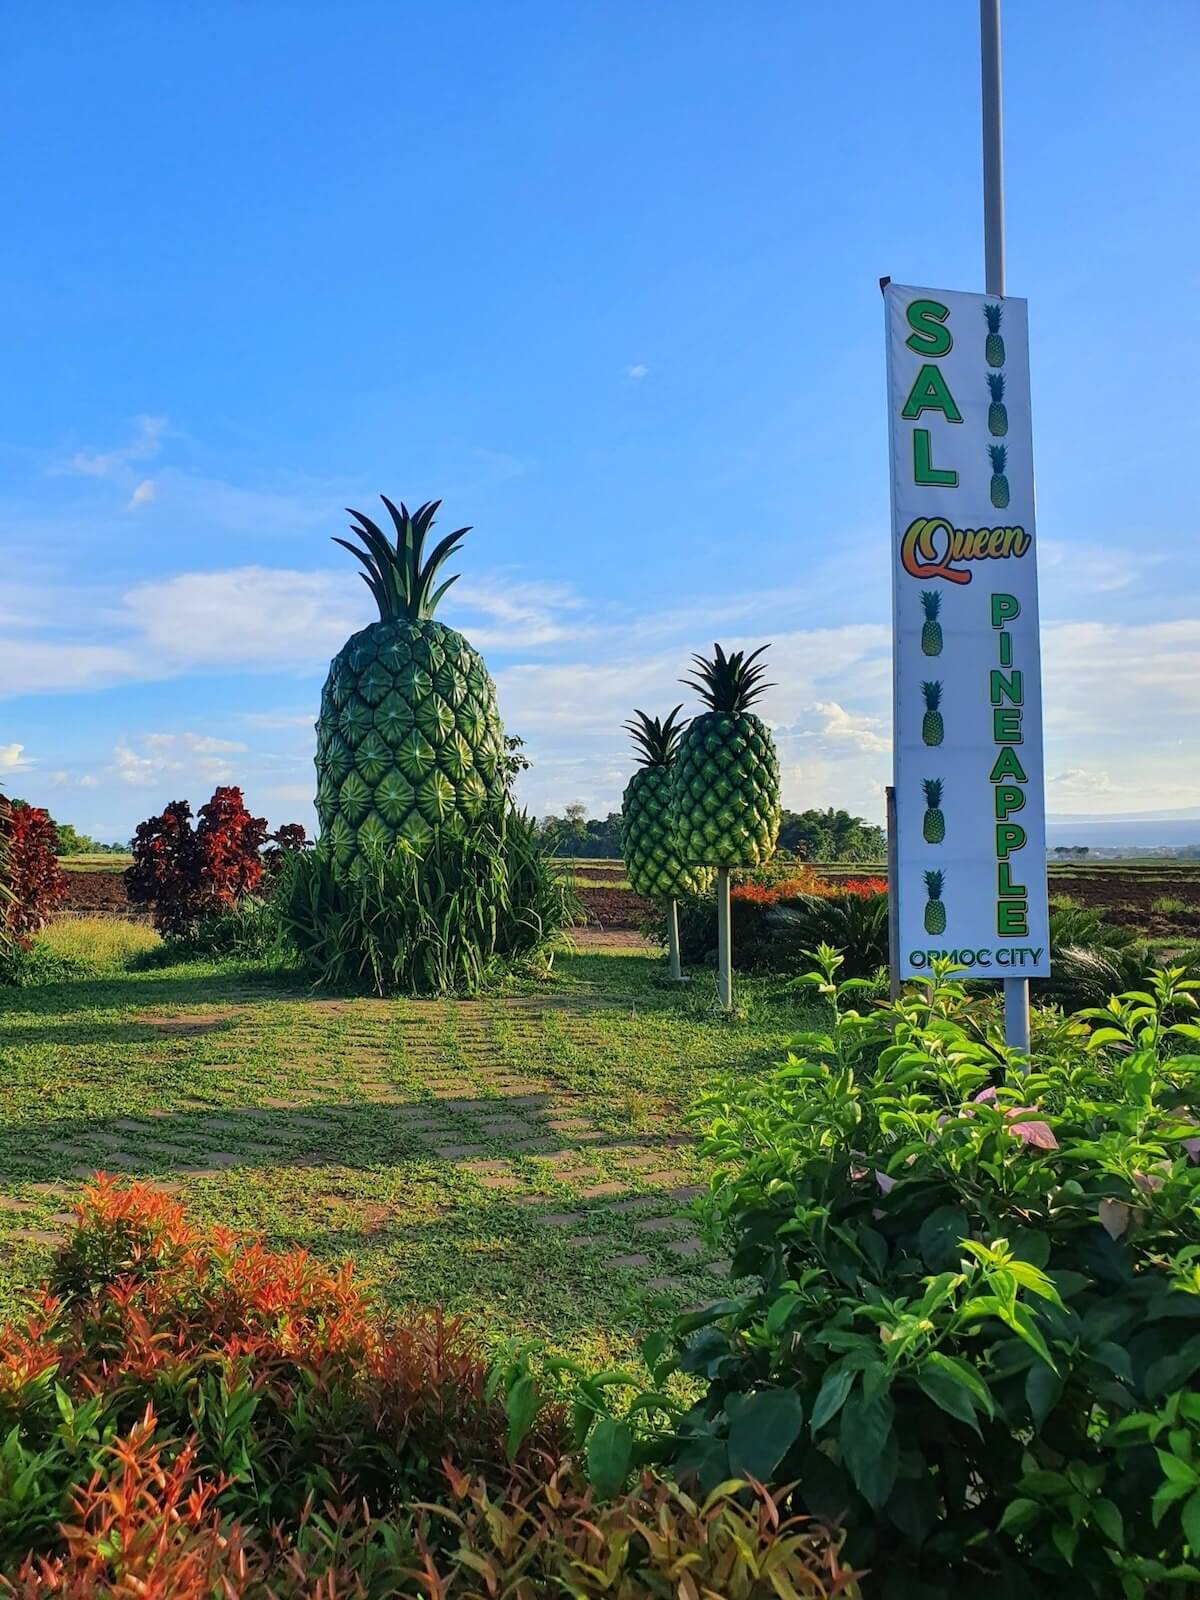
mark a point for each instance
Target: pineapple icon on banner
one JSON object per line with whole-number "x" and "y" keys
{"x": 935, "y": 908}
{"x": 993, "y": 354}
{"x": 931, "y": 628}
{"x": 933, "y": 827}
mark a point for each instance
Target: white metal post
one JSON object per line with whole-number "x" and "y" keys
{"x": 724, "y": 944}
{"x": 673, "y": 940}
{"x": 893, "y": 883}
{"x": 1016, "y": 990}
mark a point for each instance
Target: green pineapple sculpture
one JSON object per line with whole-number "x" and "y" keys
{"x": 725, "y": 794}
{"x": 997, "y": 410}
{"x": 409, "y": 741}
{"x": 933, "y": 729}
{"x": 993, "y": 350}
{"x": 931, "y": 628}
{"x": 999, "y": 457}
{"x": 933, "y": 827}
{"x": 656, "y": 868}
{"x": 935, "y": 910}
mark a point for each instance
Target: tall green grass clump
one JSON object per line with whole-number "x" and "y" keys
{"x": 435, "y": 921}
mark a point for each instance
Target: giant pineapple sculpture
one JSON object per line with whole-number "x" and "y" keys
{"x": 725, "y": 790}
{"x": 409, "y": 742}
{"x": 656, "y": 868}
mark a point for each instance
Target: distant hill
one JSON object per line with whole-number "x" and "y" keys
{"x": 1145, "y": 830}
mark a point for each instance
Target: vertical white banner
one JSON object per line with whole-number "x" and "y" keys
{"x": 970, "y": 799}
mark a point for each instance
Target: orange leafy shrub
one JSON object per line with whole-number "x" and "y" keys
{"x": 804, "y": 882}
{"x": 185, "y": 1414}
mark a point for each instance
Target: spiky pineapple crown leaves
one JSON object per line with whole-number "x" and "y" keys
{"x": 993, "y": 315}
{"x": 729, "y": 683}
{"x": 401, "y": 577}
{"x": 933, "y": 694}
{"x": 931, "y": 604}
{"x": 999, "y": 456}
{"x": 933, "y": 884}
{"x": 933, "y": 792}
{"x": 655, "y": 738}
{"x": 995, "y": 383}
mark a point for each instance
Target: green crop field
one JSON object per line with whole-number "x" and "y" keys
{"x": 102, "y": 861}
{"x": 522, "y": 1159}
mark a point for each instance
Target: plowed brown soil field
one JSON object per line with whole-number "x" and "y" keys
{"x": 1162, "y": 901}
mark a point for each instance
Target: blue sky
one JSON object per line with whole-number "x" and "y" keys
{"x": 603, "y": 277}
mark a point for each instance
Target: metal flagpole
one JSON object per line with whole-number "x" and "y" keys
{"x": 893, "y": 880}
{"x": 724, "y": 945}
{"x": 1016, "y": 990}
{"x": 673, "y": 941}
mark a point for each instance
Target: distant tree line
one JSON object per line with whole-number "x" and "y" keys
{"x": 577, "y": 834}
{"x": 831, "y": 836}
{"x": 68, "y": 841}
{"x": 809, "y": 835}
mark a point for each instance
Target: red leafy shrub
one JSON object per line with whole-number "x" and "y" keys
{"x": 33, "y": 878}
{"x": 287, "y": 840}
{"x": 187, "y": 1414}
{"x": 864, "y": 888}
{"x": 190, "y": 873}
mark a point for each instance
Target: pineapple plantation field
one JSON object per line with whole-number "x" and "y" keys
{"x": 1159, "y": 897}
{"x": 523, "y": 1159}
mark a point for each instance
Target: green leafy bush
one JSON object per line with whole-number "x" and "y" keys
{"x": 26, "y": 966}
{"x": 1091, "y": 959}
{"x": 247, "y": 931}
{"x": 431, "y": 922}
{"x": 776, "y": 925}
{"x": 973, "y": 1335}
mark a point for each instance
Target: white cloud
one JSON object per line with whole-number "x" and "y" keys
{"x": 246, "y": 616}
{"x": 637, "y": 371}
{"x": 842, "y": 727}
{"x": 13, "y": 758}
{"x": 197, "y": 743}
{"x": 279, "y": 719}
{"x": 523, "y": 615}
{"x": 143, "y": 494}
{"x": 33, "y": 666}
{"x": 1072, "y": 567}
{"x": 62, "y": 779}
{"x": 194, "y": 754}
{"x": 1076, "y": 782}
{"x": 115, "y": 464}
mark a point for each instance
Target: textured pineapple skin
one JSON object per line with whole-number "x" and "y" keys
{"x": 993, "y": 350}
{"x": 409, "y": 742}
{"x": 933, "y": 730}
{"x": 997, "y": 419}
{"x": 931, "y": 639}
{"x": 725, "y": 791}
{"x": 652, "y": 860}
{"x": 999, "y": 491}
{"x": 935, "y": 917}
{"x": 934, "y": 826}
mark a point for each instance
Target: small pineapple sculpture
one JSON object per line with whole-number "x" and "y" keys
{"x": 933, "y": 729}
{"x": 409, "y": 741}
{"x": 935, "y": 910}
{"x": 931, "y": 628}
{"x": 997, "y": 411}
{"x": 999, "y": 457}
{"x": 934, "y": 826}
{"x": 655, "y": 867}
{"x": 993, "y": 350}
{"x": 725, "y": 803}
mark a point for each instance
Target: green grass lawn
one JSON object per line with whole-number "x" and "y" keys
{"x": 522, "y": 1159}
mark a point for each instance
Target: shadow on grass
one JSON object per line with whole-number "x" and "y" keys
{"x": 346, "y": 1135}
